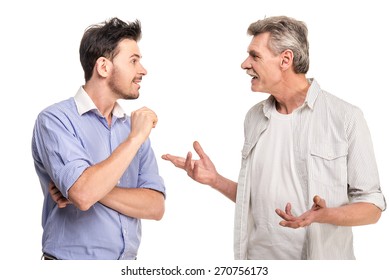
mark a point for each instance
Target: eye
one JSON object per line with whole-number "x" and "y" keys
{"x": 254, "y": 56}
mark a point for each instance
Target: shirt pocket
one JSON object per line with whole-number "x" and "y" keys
{"x": 328, "y": 163}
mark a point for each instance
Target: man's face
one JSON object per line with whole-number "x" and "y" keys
{"x": 127, "y": 70}
{"x": 262, "y": 65}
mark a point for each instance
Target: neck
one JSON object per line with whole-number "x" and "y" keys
{"x": 291, "y": 94}
{"x": 102, "y": 98}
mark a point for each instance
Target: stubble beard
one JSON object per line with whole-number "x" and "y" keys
{"x": 119, "y": 91}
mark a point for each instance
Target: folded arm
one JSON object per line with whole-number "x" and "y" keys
{"x": 100, "y": 179}
{"x": 136, "y": 202}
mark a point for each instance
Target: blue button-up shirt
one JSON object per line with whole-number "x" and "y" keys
{"x": 69, "y": 137}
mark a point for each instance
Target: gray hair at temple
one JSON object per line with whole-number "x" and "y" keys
{"x": 285, "y": 33}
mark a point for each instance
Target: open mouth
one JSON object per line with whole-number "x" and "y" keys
{"x": 137, "y": 81}
{"x": 253, "y": 76}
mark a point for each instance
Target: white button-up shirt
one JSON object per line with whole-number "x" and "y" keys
{"x": 334, "y": 159}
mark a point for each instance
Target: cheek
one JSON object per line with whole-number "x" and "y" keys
{"x": 272, "y": 72}
{"x": 131, "y": 74}
{"x": 126, "y": 76}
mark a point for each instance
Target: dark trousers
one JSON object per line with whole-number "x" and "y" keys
{"x": 47, "y": 257}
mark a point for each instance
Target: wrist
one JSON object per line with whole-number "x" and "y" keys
{"x": 135, "y": 140}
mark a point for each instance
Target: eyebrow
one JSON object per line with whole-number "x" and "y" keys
{"x": 136, "y": 55}
{"x": 253, "y": 53}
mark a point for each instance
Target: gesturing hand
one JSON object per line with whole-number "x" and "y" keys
{"x": 201, "y": 170}
{"x": 306, "y": 218}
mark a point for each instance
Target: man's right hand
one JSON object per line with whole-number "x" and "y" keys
{"x": 142, "y": 121}
{"x": 201, "y": 170}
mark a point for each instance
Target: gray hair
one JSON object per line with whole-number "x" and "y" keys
{"x": 285, "y": 33}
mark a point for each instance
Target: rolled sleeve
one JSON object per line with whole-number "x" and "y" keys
{"x": 148, "y": 171}
{"x": 59, "y": 150}
{"x": 363, "y": 178}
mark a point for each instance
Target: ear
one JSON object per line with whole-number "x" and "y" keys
{"x": 103, "y": 67}
{"x": 286, "y": 59}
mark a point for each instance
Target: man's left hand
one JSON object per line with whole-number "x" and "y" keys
{"x": 306, "y": 218}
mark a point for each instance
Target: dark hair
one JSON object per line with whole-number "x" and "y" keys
{"x": 101, "y": 40}
{"x": 285, "y": 33}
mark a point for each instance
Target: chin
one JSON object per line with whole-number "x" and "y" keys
{"x": 131, "y": 96}
{"x": 255, "y": 89}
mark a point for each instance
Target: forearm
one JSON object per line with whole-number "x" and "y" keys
{"x": 225, "y": 186}
{"x": 98, "y": 180}
{"x": 355, "y": 214}
{"x": 136, "y": 202}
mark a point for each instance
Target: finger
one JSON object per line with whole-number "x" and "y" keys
{"x": 155, "y": 120}
{"x": 280, "y": 213}
{"x": 63, "y": 202}
{"x": 188, "y": 164}
{"x": 199, "y": 150}
{"x": 316, "y": 199}
{"x": 283, "y": 215}
{"x": 292, "y": 224}
{"x": 177, "y": 161}
{"x": 168, "y": 157}
{"x": 51, "y": 186}
{"x": 196, "y": 167}
{"x": 319, "y": 201}
{"x": 53, "y": 190}
{"x": 288, "y": 209}
{"x": 288, "y": 224}
{"x": 56, "y": 197}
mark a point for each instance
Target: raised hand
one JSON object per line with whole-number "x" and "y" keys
{"x": 142, "y": 121}
{"x": 201, "y": 170}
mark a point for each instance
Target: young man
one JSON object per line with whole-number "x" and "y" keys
{"x": 94, "y": 161}
{"x": 302, "y": 144}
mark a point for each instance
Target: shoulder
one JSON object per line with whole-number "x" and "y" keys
{"x": 57, "y": 111}
{"x": 338, "y": 114}
{"x": 256, "y": 109}
{"x": 59, "y": 107}
{"x": 338, "y": 107}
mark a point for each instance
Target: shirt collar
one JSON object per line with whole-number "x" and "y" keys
{"x": 85, "y": 104}
{"x": 310, "y": 99}
{"x": 312, "y": 93}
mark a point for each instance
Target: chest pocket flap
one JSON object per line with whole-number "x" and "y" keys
{"x": 329, "y": 151}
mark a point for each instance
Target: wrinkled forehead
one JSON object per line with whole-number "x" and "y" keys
{"x": 259, "y": 42}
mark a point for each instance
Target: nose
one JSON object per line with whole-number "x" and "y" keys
{"x": 142, "y": 70}
{"x": 246, "y": 64}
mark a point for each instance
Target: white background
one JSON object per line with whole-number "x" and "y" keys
{"x": 192, "y": 51}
